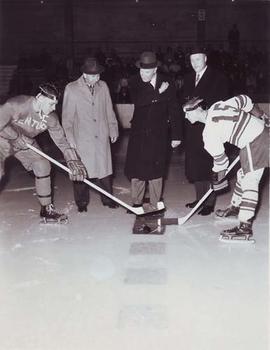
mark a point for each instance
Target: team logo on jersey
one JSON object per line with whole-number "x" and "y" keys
{"x": 35, "y": 124}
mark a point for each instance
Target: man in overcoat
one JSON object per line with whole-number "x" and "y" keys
{"x": 90, "y": 125}
{"x": 211, "y": 86}
{"x": 156, "y": 121}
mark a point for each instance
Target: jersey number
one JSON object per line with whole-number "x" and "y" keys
{"x": 219, "y": 107}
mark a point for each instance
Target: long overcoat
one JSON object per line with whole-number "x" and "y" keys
{"x": 156, "y": 121}
{"x": 212, "y": 87}
{"x": 89, "y": 121}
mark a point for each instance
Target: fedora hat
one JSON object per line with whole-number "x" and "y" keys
{"x": 197, "y": 49}
{"x": 148, "y": 60}
{"x": 91, "y": 66}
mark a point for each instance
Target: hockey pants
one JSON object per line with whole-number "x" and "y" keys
{"x": 41, "y": 168}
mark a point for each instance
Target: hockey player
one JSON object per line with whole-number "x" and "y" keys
{"x": 22, "y": 118}
{"x": 241, "y": 123}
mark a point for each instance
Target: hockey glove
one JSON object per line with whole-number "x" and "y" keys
{"x": 257, "y": 112}
{"x": 78, "y": 170}
{"x": 218, "y": 180}
{"x": 20, "y": 142}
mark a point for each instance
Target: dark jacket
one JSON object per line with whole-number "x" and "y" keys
{"x": 156, "y": 121}
{"x": 212, "y": 87}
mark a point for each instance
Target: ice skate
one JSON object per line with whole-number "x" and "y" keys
{"x": 231, "y": 212}
{"x": 50, "y": 215}
{"x": 242, "y": 233}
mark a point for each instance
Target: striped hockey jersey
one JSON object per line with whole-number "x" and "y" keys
{"x": 230, "y": 121}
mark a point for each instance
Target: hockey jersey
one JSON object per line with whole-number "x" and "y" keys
{"x": 230, "y": 121}
{"x": 18, "y": 114}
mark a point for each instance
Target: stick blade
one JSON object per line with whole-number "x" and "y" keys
{"x": 167, "y": 221}
{"x": 182, "y": 220}
{"x": 149, "y": 209}
{"x": 160, "y": 205}
{"x": 137, "y": 211}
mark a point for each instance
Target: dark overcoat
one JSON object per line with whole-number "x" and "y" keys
{"x": 156, "y": 121}
{"x": 212, "y": 87}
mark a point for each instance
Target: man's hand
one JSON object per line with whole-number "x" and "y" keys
{"x": 219, "y": 182}
{"x": 114, "y": 139}
{"x": 175, "y": 143}
{"x": 78, "y": 170}
{"x": 164, "y": 86}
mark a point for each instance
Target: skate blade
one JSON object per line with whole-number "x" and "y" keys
{"x": 227, "y": 239}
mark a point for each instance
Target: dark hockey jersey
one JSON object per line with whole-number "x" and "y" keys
{"x": 18, "y": 114}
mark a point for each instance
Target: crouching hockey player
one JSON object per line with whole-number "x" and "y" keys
{"x": 22, "y": 118}
{"x": 241, "y": 123}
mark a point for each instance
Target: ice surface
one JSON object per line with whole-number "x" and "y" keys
{"x": 91, "y": 284}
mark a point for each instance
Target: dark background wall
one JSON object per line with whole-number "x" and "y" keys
{"x": 72, "y": 26}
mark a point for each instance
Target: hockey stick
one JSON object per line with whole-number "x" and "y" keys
{"x": 182, "y": 220}
{"x": 137, "y": 211}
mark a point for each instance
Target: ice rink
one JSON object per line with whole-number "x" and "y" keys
{"x": 92, "y": 284}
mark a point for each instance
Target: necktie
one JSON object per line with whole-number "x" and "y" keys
{"x": 92, "y": 89}
{"x": 197, "y": 79}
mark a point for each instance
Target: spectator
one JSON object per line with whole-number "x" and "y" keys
{"x": 156, "y": 109}
{"x": 90, "y": 124}
{"x": 234, "y": 39}
{"x": 123, "y": 95}
{"x": 211, "y": 86}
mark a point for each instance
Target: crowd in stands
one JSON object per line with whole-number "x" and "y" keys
{"x": 247, "y": 70}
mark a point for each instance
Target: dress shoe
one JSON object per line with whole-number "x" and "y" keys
{"x": 206, "y": 210}
{"x": 192, "y": 204}
{"x": 112, "y": 205}
{"x": 82, "y": 208}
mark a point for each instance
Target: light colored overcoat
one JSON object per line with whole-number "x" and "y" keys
{"x": 89, "y": 122}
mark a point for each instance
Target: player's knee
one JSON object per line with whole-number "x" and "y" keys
{"x": 42, "y": 167}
